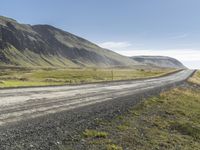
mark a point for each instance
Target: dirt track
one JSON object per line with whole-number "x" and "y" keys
{"x": 28, "y": 114}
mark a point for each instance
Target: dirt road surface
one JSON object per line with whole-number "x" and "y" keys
{"x": 22, "y": 104}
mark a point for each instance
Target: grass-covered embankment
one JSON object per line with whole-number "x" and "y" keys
{"x": 19, "y": 77}
{"x": 168, "y": 121}
{"x": 196, "y": 78}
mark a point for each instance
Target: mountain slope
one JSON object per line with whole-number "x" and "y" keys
{"x": 47, "y": 46}
{"x": 159, "y": 61}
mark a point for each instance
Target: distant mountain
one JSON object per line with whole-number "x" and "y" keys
{"x": 47, "y": 46}
{"x": 159, "y": 61}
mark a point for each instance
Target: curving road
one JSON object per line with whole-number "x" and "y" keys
{"x": 23, "y": 103}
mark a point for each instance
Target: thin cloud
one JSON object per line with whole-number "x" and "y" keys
{"x": 181, "y": 36}
{"x": 115, "y": 45}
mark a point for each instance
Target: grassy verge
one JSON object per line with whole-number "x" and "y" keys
{"x": 168, "y": 121}
{"x": 18, "y": 77}
{"x": 196, "y": 78}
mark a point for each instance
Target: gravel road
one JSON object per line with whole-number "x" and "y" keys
{"x": 44, "y": 117}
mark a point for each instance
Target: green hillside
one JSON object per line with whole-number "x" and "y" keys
{"x": 46, "y": 46}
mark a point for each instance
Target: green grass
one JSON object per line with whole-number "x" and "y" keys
{"x": 94, "y": 134}
{"x": 168, "y": 121}
{"x": 113, "y": 147}
{"x": 29, "y": 58}
{"x": 187, "y": 129}
{"x": 19, "y": 77}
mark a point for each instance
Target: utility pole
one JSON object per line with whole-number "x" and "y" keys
{"x": 112, "y": 75}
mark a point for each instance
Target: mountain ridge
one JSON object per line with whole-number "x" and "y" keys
{"x": 45, "y": 45}
{"x": 159, "y": 61}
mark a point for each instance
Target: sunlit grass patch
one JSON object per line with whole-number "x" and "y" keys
{"x": 122, "y": 127}
{"x": 18, "y": 83}
{"x": 113, "y": 147}
{"x": 94, "y": 134}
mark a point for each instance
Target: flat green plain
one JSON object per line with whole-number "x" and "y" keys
{"x": 23, "y": 77}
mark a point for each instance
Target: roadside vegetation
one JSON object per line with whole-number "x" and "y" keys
{"x": 168, "y": 121}
{"x": 196, "y": 78}
{"x": 19, "y": 77}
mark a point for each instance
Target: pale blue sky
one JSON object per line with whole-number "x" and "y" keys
{"x": 130, "y": 27}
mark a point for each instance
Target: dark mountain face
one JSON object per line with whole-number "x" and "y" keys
{"x": 159, "y": 61}
{"x": 44, "y": 45}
